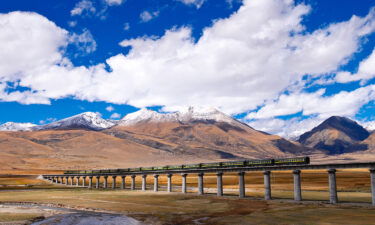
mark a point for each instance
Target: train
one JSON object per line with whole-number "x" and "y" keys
{"x": 244, "y": 163}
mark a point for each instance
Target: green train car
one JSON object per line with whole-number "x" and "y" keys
{"x": 244, "y": 163}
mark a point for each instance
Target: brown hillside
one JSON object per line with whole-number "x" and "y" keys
{"x": 141, "y": 145}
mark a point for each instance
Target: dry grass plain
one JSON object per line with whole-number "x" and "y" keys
{"x": 176, "y": 208}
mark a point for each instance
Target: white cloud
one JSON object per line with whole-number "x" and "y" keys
{"x": 290, "y": 129}
{"x": 126, "y": 26}
{"x": 84, "y": 42}
{"x": 84, "y": 8}
{"x": 366, "y": 71}
{"x": 341, "y": 104}
{"x": 72, "y": 23}
{"x": 196, "y": 3}
{"x": 109, "y": 108}
{"x": 146, "y": 16}
{"x": 237, "y": 65}
{"x": 48, "y": 120}
{"x": 369, "y": 125}
{"x": 115, "y": 116}
{"x": 114, "y": 2}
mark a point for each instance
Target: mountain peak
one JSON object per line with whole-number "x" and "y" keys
{"x": 335, "y": 134}
{"x": 86, "y": 120}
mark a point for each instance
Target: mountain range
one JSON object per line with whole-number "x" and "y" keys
{"x": 145, "y": 137}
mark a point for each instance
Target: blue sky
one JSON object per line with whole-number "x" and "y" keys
{"x": 282, "y": 66}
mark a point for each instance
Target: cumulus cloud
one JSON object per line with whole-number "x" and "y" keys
{"x": 341, "y": 104}
{"x": 369, "y": 125}
{"x": 146, "y": 16}
{"x": 290, "y": 129}
{"x": 238, "y": 64}
{"x": 366, "y": 71}
{"x": 115, "y": 116}
{"x": 84, "y": 8}
{"x": 109, "y": 108}
{"x": 126, "y": 26}
{"x": 114, "y": 2}
{"x": 196, "y": 3}
{"x": 72, "y": 23}
{"x": 84, "y": 42}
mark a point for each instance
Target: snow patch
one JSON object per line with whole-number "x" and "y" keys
{"x": 11, "y": 126}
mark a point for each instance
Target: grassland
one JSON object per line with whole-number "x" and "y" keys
{"x": 176, "y": 208}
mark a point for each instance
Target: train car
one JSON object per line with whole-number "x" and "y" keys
{"x": 160, "y": 168}
{"x": 260, "y": 162}
{"x": 175, "y": 167}
{"x": 211, "y": 165}
{"x": 192, "y": 166}
{"x": 147, "y": 168}
{"x": 134, "y": 169}
{"x": 233, "y": 163}
{"x": 292, "y": 161}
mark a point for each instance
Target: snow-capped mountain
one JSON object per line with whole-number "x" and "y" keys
{"x": 146, "y": 115}
{"x": 11, "y": 126}
{"x": 87, "y": 120}
{"x": 190, "y": 115}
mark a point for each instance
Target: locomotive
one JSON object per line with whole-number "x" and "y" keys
{"x": 244, "y": 163}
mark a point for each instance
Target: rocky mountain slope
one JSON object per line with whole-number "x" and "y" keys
{"x": 337, "y": 135}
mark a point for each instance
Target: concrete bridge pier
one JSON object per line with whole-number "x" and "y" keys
{"x": 97, "y": 185}
{"x": 200, "y": 184}
{"x": 219, "y": 183}
{"x": 169, "y": 186}
{"x": 156, "y": 183}
{"x": 144, "y": 182}
{"x": 114, "y": 182}
{"x": 241, "y": 184}
{"x": 105, "y": 186}
{"x": 332, "y": 186}
{"x": 267, "y": 185}
{"x": 184, "y": 187}
{"x": 372, "y": 175}
{"x": 90, "y": 181}
{"x": 78, "y": 177}
{"x": 297, "y": 185}
{"x": 83, "y": 181}
{"x": 123, "y": 182}
{"x": 132, "y": 185}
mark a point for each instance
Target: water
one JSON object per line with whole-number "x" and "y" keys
{"x": 88, "y": 218}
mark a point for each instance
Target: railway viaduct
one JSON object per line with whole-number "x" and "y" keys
{"x": 68, "y": 179}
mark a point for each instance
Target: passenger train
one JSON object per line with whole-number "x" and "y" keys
{"x": 244, "y": 163}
